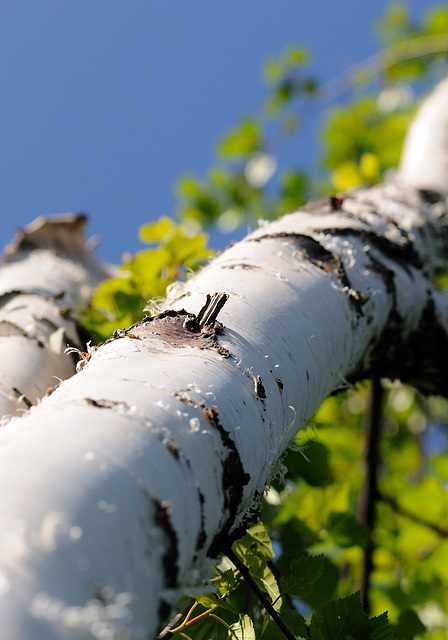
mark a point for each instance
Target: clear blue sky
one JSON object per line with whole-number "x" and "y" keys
{"x": 103, "y": 104}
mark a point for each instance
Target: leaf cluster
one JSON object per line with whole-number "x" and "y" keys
{"x": 119, "y": 302}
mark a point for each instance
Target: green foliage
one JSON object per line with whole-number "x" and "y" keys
{"x": 119, "y": 302}
{"x": 313, "y": 520}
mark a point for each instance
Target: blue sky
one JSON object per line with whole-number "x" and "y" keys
{"x": 104, "y": 104}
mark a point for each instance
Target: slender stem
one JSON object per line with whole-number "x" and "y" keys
{"x": 228, "y": 627}
{"x": 370, "y": 493}
{"x": 178, "y": 620}
{"x": 259, "y": 593}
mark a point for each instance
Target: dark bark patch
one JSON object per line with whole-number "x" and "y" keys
{"x": 279, "y": 383}
{"x": 404, "y": 253}
{"x": 183, "y": 329}
{"x": 387, "y": 275}
{"x": 202, "y": 535}
{"x": 431, "y": 197}
{"x": 428, "y": 353}
{"x": 103, "y": 404}
{"x": 315, "y": 253}
{"x": 336, "y": 203}
{"x": 259, "y": 388}
{"x": 240, "y": 265}
{"x": 233, "y": 479}
{"x": 387, "y": 352}
{"x": 421, "y": 360}
{"x": 162, "y": 518}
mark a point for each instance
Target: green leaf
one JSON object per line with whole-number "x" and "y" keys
{"x": 156, "y": 231}
{"x": 409, "y": 625}
{"x": 346, "y": 531}
{"x": 304, "y": 573}
{"x": 244, "y": 139}
{"x": 244, "y": 628}
{"x": 295, "y": 622}
{"x": 267, "y": 579}
{"x": 381, "y": 629}
{"x": 337, "y": 619}
{"x": 208, "y": 628}
{"x": 259, "y": 534}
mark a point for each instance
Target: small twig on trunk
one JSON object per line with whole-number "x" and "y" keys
{"x": 209, "y": 312}
{"x": 370, "y": 494}
{"x": 259, "y": 593}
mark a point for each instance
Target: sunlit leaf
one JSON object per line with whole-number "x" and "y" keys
{"x": 243, "y": 140}
{"x": 156, "y": 231}
{"x": 244, "y": 628}
{"x": 381, "y": 629}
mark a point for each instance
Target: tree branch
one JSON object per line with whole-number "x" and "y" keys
{"x": 369, "y": 493}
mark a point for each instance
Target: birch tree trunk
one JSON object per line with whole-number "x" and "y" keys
{"x": 124, "y": 483}
{"x": 48, "y": 275}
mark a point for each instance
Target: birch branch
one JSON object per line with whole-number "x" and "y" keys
{"x": 48, "y": 275}
{"x": 142, "y": 467}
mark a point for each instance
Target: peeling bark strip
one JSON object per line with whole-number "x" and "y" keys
{"x": 156, "y": 454}
{"x": 38, "y": 308}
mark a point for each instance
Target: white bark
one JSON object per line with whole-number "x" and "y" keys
{"x": 135, "y": 471}
{"x": 48, "y": 275}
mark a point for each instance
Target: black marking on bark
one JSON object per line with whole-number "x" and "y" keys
{"x": 387, "y": 275}
{"x": 240, "y": 265}
{"x": 428, "y": 354}
{"x": 104, "y": 404}
{"x": 200, "y": 541}
{"x": 279, "y": 383}
{"x": 22, "y": 397}
{"x": 420, "y": 359}
{"x": 431, "y": 197}
{"x": 389, "y": 354}
{"x": 233, "y": 479}
{"x": 9, "y": 295}
{"x": 259, "y": 388}
{"x": 172, "y": 448}
{"x": 183, "y": 329}
{"x": 315, "y": 253}
{"x": 404, "y": 253}
{"x": 41, "y": 293}
{"x": 162, "y": 517}
{"x": 49, "y": 323}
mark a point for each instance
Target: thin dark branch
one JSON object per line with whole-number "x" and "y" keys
{"x": 176, "y": 621}
{"x": 442, "y": 533}
{"x": 370, "y": 494}
{"x": 259, "y": 593}
{"x": 273, "y": 567}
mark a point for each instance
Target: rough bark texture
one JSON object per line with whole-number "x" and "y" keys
{"x": 48, "y": 274}
{"x": 139, "y": 469}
